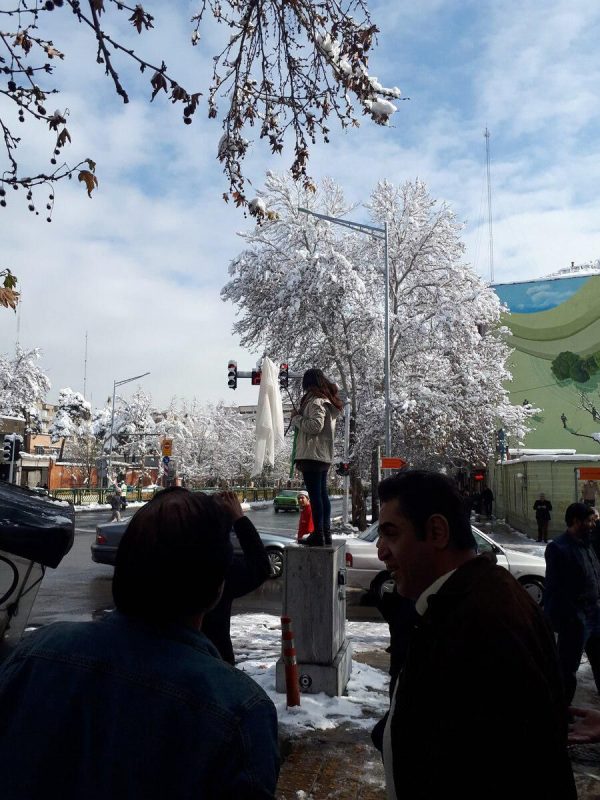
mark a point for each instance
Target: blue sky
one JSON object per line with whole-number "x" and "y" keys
{"x": 140, "y": 266}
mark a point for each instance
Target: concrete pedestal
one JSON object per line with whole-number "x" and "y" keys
{"x": 315, "y": 598}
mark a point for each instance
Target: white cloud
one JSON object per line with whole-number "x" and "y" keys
{"x": 140, "y": 265}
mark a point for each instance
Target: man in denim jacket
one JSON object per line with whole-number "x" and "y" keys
{"x": 140, "y": 705}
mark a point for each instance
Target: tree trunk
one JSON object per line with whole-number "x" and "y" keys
{"x": 375, "y": 478}
{"x": 359, "y": 507}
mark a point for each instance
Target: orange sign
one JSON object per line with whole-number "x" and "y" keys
{"x": 167, "y": 447}
{"x": 589, "y": 473}
{"x": 392, "y": 463}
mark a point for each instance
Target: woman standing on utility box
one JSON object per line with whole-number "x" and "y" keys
{"x": 319, "y": 409}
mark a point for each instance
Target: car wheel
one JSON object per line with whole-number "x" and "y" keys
{"x": 276, "y": 561}
{"x": 275, "y": 509}
{"x": 534, "y": 587}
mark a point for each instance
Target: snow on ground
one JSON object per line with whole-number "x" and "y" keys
{"x": 257, "y": 644}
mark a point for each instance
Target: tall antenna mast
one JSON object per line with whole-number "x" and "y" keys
{"x": 489, "y": 196}
{"x": 85, "y": 366}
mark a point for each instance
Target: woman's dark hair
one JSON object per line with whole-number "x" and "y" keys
{"x": 421, "y": 494}
{"x": 173, "y": 557}
{"x": 315, "y": 384}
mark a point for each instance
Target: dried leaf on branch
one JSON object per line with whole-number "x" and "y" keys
{"x": 90, "y": 180}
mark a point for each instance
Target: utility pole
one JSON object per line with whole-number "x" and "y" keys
{"x": 489, "y": 199}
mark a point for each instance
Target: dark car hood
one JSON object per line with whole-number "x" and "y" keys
{"x": 33, "y": 527}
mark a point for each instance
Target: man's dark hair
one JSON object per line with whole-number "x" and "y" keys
{"x": 420, "y": 494}
{"x": 173, "y": 557}
{"x": 577, "y": 512}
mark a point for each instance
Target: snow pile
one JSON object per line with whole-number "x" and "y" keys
{"x": 257, "y": 644}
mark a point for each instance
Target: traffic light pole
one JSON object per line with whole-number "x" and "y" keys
{"x": 12, "y": 461}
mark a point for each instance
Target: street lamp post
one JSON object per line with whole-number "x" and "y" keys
{"x": 112, "y": 416}
{"x": 382, "y": 235}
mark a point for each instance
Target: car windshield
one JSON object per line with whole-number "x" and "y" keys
{"x": 484, "y": 545}
{"x": 371, "y": 534}
{"x": 287, "y": 493}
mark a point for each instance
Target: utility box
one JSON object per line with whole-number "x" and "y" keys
{"x": 314, "y": 596}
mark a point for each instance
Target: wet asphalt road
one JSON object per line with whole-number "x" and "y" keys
{"x": 80, "y": 589}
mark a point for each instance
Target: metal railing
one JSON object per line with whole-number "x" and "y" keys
{"x": 82, "y": 495}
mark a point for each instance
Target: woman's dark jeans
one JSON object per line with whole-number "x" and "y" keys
{"x": 316, "y": 486}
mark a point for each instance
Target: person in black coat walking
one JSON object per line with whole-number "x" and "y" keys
{"x": 542, "y": 508}
{"x": 572, "y": 595}
{"x": 249, "y": 570}
{"x": 487, "y": 497}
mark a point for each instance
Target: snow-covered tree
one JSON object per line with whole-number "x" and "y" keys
{"x": 23, "y": 385}
{"x": 135, "y": 432}
{"x": 448, "y": 350}
{"x": 313, "y": 293}
{"x": 72, "y": 426}
{"x": 231, "y": 451}
{"x": 189, "y": 426}
{"x": 73, "y": 416}
{"x": 305, "y": 291}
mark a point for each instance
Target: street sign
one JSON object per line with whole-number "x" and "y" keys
{"x": 167, "y": 447}
{"x": 589, "y": 473}
{"x": 392, "y": 463}
{"x": 166, "y": 460}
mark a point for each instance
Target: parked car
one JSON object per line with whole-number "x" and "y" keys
{"x": 362, "y": 564}
{"x": 109, "y": 534}
{"x": 286, "y": 500}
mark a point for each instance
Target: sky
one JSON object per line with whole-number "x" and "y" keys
{"x": 139, "y": 267}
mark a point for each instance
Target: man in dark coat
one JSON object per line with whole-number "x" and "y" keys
{"x": 572, "y": 595}
{"x": 487, "y": 497}
{"x": 481, "y": 683}
{"x": 248, "y": 570}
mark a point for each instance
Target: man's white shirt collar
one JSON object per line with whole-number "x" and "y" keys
{"x": 421, "y": 604}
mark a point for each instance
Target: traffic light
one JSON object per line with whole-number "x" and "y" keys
{"x": 255, "y": 377}
{"x": 232, "y": 374}
{"x": 17, "y": 447}
{"x": 283, "y": 376}
{"x": 342, "y": 468}
{"x": 7, "y": 449}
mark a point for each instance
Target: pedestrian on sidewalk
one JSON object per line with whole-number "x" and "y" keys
{"x": 123, "y": 488}
{"x": 474, "y": 620}
{"x": 487, "y": 497}
{"x": 542, "y": 508}
{"x": 589, "y": 491}
{"x": 305, "y": 523}
{"x": 319, "y": 409}
{"x": 572, "y": 595}
{"x": 140, "y": 700}
{"x": 115, "y": 504}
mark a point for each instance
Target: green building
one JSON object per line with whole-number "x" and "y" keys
{"x": 555, "y": 333}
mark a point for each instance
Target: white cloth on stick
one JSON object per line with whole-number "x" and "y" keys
{"x": 269, "y": 417}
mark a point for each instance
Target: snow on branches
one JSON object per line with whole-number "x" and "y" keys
{"x": 72, "y": 418}
{"x": 287, "y": 66}
{"x": 22, "y": 385}
{"x": 310, "y": 289}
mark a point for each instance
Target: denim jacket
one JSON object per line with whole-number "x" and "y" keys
{"x": 121, "y": 709}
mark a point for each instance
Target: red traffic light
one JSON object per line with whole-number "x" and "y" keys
{"x": 255, "y": 378}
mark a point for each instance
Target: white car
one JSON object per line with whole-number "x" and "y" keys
{"x": 362, "y": 564}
